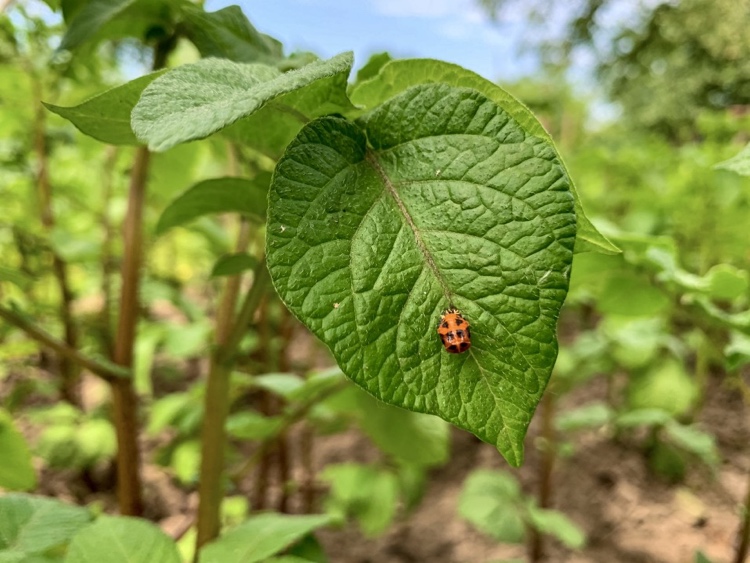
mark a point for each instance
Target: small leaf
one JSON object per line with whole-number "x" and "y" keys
{"x": 106, "y": 117}
{"x": 695, "y": 441}
{"x": 666, "y": 386}
{"x": 373, "y": 66}
{"x": 594, "y": 415}
{"x": 260, "y": 537}
{"x": 413, "y": 438}
{"x": 556, "y": 524}
{"x": 436, "y": 198}
{"x": 740, "y": 163}
{"x": 233, "y": 264}
{"x": 285, "y": 385}
{"x": 727, "y": 282}
{"x": 186, "y": 461}
{"x": 193, "y": 101}
{"x": 396, "y": 76}
{"x": 490, "y": 500}
{"x": 90, "y": 19}
{"x": 643, "y": 417}
{"x": 228, "y": 34}
{"x": 37, "y": 525}
{"x": 632, "y": 296}
{"x": 367, "y": 493}
{"x": 218, "y": 195}
{"x": 16, "y": 470}
{"x": 251, "y": 425}
{"x": 121, "y": 539}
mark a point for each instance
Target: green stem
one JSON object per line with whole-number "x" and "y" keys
{"x": 216, "y": 404}
{"x": 546, "y": 465}
{"x": 102, "y": 368}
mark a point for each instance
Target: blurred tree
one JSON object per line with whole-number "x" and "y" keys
{"x": 665, "y": 61}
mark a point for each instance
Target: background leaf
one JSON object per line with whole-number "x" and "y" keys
{"x": 196, "y": 100}
{"x": 121, "y": 539}
{"x": 228, "y": 34}
{"x": 398, "y": 75}
{"x": 740, "y": 163}
{"x": 36, "y": 525}
{"x": 260, "y": 537}
{"x": 490, "y": 501}
{"x": 106, "y": 117}
{"x": 217, "y": 195}
{"x": 454, "y": 204}
{"x": 16, "y": 470}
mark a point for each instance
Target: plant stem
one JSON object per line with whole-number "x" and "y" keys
{"x": 216, "y": 404}
{"x": 103, "y": 369}
{"x": 108, "y": 266}
{"x": 69, "y": 371}
{"x": 308, "y": 476}
{"x": 546, "y": 465}
{"x": 124, "y": 399}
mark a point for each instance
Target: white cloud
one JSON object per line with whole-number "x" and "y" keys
{"x": 464, "y": 9}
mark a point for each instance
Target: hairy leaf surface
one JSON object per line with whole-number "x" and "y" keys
{"x": 437, "y": 198}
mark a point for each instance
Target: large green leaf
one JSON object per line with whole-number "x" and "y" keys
{"x": 16, "y": 471}
{"x": 450, "y": 203}
{"x": 228, "y": 34}
{"x": 217, "y": 195}
{"x": 37, "y": 525}
{"x": 196, "y": 100}
{"x": 396, "y": 76}
{"x": 121, "y": 539}
{"x": 260, "y": 537}
{"x": 106, "y": 117}
{"x": 89, "y": 20}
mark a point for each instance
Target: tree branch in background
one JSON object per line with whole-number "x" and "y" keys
{"x": 102, "y": 368}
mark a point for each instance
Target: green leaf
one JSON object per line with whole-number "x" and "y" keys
{"x": 594, "y": 415}
{"x": 96, "y": 441}
{"x": 556, "y": 524}
{"x": 217, "y": 195}
{"x": 121, "y": 539}
{"x": 666, "y": 386}
{"x": 106, "y": 117}
{"x": 397, "y": 76}
{"x": 37, "y": 525}
{"x": 695, "y": 441}
{"x": 285, "y": 385}
{"x": 197, "y": 100}
{"x": 632, "y": 296}
{"x": 367, "y": 493}
{"x": 727, "y": 282}
{"x": 643, "y": 417}
{"x": 740, "y": 163}
{"x": 260, "y": 537}
{"x": 372, "y": 66}
{"x": 16, "y": 470}
{"x": 233, "y": 264}
{"x": 228, "y": 34}
{"x": 186, "y": 461}
{"x": 451, "y": 204}
{"x": 410, "y": 437}
{"x": 490, "y": 500}
{"x": 700, "y": 557}
{"x": 88, "y": 21}
{"x": 251, "y": 425}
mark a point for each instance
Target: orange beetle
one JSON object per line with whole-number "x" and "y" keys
{"x": 454, "y": 332}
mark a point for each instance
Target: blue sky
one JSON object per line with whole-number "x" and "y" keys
{"x": 452, "y": 30}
